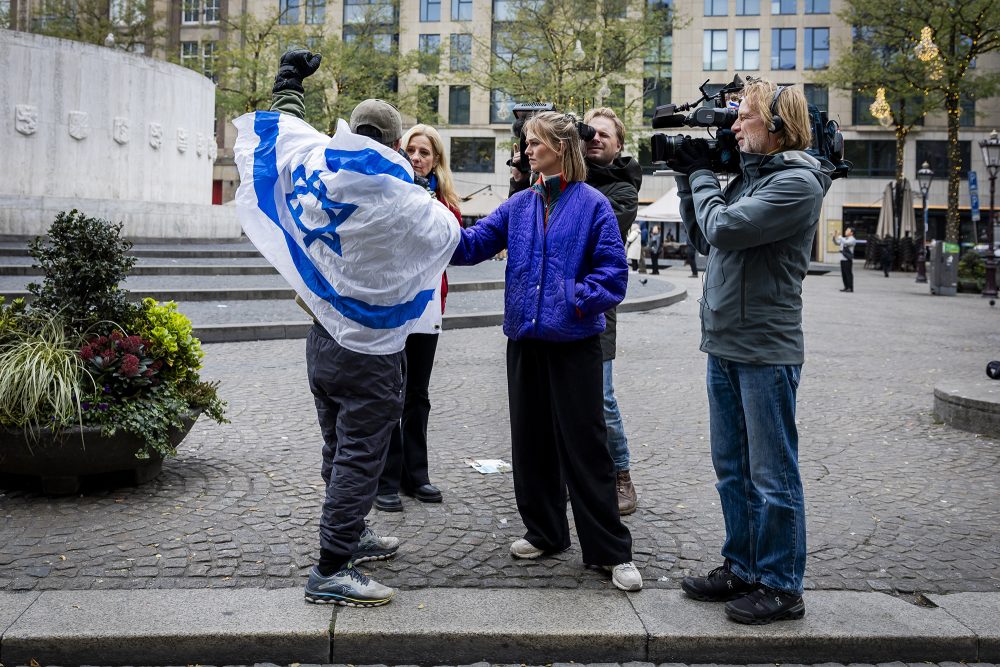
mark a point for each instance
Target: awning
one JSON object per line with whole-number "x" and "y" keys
{"x": 665, "y": 209}
{"x": 885, "y": 217}
{"x": 481, "y": 204}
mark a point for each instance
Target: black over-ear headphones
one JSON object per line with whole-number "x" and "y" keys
{"x": 777, "y": 123}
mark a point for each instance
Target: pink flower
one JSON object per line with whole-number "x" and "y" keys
{"x": 130, "y": 365}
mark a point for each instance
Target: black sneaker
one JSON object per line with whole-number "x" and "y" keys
{"x": 720, "y": 585}
{"x": 348, "y": 587}
{"x": 765, "y": 605}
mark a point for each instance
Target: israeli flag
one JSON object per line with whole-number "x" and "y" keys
{"x": 342, "y": 221}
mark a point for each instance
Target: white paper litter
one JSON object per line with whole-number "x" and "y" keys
{"x": 489, "y": 466}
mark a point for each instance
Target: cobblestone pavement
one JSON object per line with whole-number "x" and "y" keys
{"x": 667, "y": 664}
{"x": 896, "y": 501}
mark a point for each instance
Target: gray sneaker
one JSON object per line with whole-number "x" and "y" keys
{"x": 373, "y": 547}
{"x": 348, "y": 587}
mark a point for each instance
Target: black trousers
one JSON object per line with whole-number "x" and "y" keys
{"x": 359, "y": 397}
{"x": 847, "y": 273}
{"x": 406, "y": 465}
{"x": 655, "y": 259}
{"x": 559, "y": 440}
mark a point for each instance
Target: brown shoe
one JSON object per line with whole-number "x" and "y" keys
{"x": 627, "y": 498}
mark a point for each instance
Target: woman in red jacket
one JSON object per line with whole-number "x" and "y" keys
{"x": 406, "y": 464}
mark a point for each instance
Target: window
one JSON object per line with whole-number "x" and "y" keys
{"x": 860, "y": 113}
{"x": 656, "y": 75}
{"x": 189, "y": 11}
{"x": 501, "y": 107}
{"x": 476, "y": 154}
{"x": 190, "y": 55}
{"x": 460, "y": 55}
{"x": 817, "y": 6}
{"x": 288, "y": 11}
{"x": 715, "y": 50}
{"x": 458, "y": 105}
{"x": 784, "y": 6}
{"x": 315, "y": 12}
{"x": 817, "y": 48}
{"x": 875, "y": 158}
{"x": 368, "y": 11}
{"x": 4, "y": 13}
{"x": 461, "y": 10}
{"x": 116, "y": 12}
{"x": 208, "y": 63}
{"x": 430, "y": 10}
{"x": 428, "y": 98}
{"x": 782, "y": 48}
{"x": 817, "y": 95}
{"x": 504, "y": 10}
{"x": 968, "y": 107}
{"x": 716, "y": 7}
{"x": 212, "y": 12}
{"x": 747, "y": 50}
{"x": 748, "y": 7}
{"x": 935, "y": 153}
{"x": 429, "y": 47}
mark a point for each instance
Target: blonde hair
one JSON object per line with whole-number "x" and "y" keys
{"x": 609, "y": 113}
{"x": 791, "y": 106}
{"x": 446, "y": 183}
{"x": 559, "y": 134}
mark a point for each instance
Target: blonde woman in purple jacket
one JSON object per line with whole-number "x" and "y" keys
{"x": 565, "y": 268}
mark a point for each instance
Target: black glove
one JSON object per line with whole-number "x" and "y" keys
{"x": 692, "y": 155}
{"x": 295, "y": 66}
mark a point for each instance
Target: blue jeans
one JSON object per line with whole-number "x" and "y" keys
{"x": 755, "y": 453}
{"x": 617, "y": 442}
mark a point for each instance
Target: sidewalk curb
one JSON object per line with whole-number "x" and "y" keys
{"x": 462, "y": 626}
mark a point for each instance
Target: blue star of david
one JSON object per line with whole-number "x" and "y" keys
{"x": 336, "y": 212}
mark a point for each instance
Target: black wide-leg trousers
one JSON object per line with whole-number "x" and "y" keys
{"x": 559, "y": 440}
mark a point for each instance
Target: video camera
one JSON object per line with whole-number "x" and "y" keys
{"x": 827, "y": 141}
{"x": 522, "y": 112}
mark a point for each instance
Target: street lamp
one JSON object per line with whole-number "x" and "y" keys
{"x": 924, "y": 177}
{"x": 991, "y": 156}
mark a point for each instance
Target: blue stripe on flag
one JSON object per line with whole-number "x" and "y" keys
{"x": 365, "y": 161}
{"x": 265, "y": 179}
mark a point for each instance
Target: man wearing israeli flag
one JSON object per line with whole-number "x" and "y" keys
{"x": 364, "y": 247}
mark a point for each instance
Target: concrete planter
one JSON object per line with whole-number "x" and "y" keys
{"x": 61, "y": 459}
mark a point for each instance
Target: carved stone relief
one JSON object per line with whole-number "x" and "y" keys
{"x": 26, "y": 118}
{"x": 182, "y": 140}
{"x": 155, "y": 136}
{"x": 213, "y": 150}
{"x": 199, "y": 144}
{"x": 121, "y": 130}
{"x": 79, "y": 125}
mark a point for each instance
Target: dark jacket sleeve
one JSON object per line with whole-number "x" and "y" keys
{"x": 289, "y": 101}
{"x": 695, "y": 236}
{"x": 624, "y": 200}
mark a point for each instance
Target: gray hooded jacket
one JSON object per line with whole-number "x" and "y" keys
{"x": 758, "y": 236}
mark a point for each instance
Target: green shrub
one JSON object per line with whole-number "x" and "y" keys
{"x": 172, "y": 340}
{"x": 972, "y": 268}
{"x": 83, "y": 259}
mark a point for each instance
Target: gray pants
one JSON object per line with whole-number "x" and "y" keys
{"x": 359, "y": 399}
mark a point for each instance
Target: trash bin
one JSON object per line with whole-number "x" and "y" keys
{"x": 943, "y": 270}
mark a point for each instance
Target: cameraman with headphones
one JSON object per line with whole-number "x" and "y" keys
{"x": 758, "y": 234}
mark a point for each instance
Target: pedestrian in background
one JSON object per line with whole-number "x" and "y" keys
{"x": 654, "y": 248}
{"x": 692, "y": 259}
{"x": 633, "y": 246}
{"x": 406, "y": 467}
{"x": 846, "y": 243}
{"x": 553, "y": 318}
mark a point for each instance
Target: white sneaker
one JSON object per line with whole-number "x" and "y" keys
{"x": 524, "y": 549}
{"x": 625, "y": 576}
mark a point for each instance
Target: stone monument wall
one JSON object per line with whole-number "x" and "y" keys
{"x": 108, "y": 132}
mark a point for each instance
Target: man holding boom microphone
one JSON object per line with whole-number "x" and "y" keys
{"x": 758, "y": 234}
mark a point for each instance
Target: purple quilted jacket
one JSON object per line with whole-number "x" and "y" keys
{"x": 560, "y": 279}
